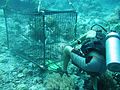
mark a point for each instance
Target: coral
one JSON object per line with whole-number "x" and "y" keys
{"x": 89, "y": 6}
{"x": 106, "y": 82}
{"x": 114, "y": 19}
{"x": 117, "y": 27}
{"x": 21, "y": 87}
{"x": 56, "y": 82}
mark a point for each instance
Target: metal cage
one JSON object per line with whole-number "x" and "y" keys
{"x": 38, "y": 36}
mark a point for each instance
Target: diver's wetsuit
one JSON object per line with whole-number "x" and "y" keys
{"x": 93, "y": 59}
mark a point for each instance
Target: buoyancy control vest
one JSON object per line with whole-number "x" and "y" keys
{"x": 94, "y": 44}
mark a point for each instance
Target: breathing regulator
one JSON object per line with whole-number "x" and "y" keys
{"x": 107, "y": 44}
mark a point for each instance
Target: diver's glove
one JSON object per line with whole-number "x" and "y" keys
{"x": 89, "y": 34}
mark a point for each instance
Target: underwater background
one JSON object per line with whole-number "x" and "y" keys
{"x": 33, "y": 34}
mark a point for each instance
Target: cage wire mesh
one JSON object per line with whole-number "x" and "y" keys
{"x": 38, "y": 36}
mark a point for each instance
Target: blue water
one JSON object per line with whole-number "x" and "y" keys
{"x": 29, "y": 41}
{"x": 110, "y": 4}
{"x": 61, "y": 4}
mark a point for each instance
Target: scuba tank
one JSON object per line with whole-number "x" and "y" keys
{"x": 112, "y": 45}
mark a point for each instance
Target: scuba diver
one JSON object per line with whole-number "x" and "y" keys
{"x": 91, "y": 54}
{"x": 94, "y": 52}
{"x": 87, "y": 53}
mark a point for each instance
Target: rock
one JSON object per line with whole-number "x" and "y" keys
{"x": 14, "y": 73}
{"x": 37, "y": 80}
{"x": 117, "y": 27}
{"x": 25, "y": 71}
{"x": 80, "y": 84}
{"x": 20, "y": 75}
{"x": 1, "y": 76}
{"x": 33, "y": 88}
{"x": 37, "y": 87}
{"x": 4, "y": 61}
{"x": 3, "y": 49}
{"x": 29, "y": 73}
{"x": 22, "y": 87}
{"x": 1, "y": 72}
{"x": 17, "y": 81}
{"x": 1, "y": 12}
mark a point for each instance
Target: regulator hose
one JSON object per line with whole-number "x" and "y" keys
{"x": 99, "y": 26}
